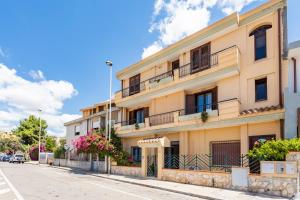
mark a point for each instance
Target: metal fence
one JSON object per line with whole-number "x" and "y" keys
{"x": 210, "y": 163}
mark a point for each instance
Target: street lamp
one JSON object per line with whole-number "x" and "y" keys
{"x": 40, "y": 132}
{"x": 109, "y": 64}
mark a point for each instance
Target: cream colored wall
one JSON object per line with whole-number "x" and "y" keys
{"x": 199, "y": 141}
{"x": 167, "y": 103}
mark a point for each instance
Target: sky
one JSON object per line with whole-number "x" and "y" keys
{"x": 53, "y": 52}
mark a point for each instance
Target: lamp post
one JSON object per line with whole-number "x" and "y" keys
{"x": 109, "y": 64}
{"x": 40, "y": 132}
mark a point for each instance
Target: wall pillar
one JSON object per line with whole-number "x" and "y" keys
{"x": 160, "y": 161}
{"x": 183, "y": 143}
{"x": 244, "y": 139}
{"x": 144, "y": 161}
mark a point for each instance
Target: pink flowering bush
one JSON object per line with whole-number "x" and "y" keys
{"x": 94, "y": 144}
{"x": 34, "y": 151}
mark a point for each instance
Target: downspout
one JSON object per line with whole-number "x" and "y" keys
{"x": 279, "y": 57}
{"x": 295, "y": 74}
{"x": 282, "y": 135}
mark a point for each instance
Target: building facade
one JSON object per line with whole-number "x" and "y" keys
{"x": 216, "y": 92}
{"x": 292, "y": 92}
{"x": 94, "y": 118}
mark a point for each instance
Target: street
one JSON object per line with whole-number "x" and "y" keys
{"x": 33, "y": 182}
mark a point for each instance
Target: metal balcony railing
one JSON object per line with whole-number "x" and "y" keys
{"x": 133, "y": 89}
{"x": 161, "y": 76}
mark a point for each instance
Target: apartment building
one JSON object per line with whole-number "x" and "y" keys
{"x": 94, "y": 118}
{"x": 292, "y": 93}
{"x": 217, "y": 91}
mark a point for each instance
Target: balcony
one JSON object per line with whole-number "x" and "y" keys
{"x": 222, "y": 64}
{"x": 184, "y": 119}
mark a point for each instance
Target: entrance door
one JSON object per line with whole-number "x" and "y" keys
{"x": 152, "y": 165}
{"x": 172, "y": 156}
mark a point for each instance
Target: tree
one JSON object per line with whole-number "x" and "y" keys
{"x": 28, "y": 130}
{"x": 50, "y": 143}
{"x": 60, "y": 150}
{"x": 10, "y": 144}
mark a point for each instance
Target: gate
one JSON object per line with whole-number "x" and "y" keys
{"x": 152, "y": 165}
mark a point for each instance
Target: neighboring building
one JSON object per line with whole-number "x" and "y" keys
{"x": 234, "y": 70}
{"x": 93, "y": 119}
{"x": 292, "y": 93}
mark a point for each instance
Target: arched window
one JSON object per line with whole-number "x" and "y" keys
{"x": 260, "y": 41}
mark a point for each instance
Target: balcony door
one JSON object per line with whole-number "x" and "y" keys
{"x": 134, "y": 84}
{"x": 204, "y": 102}
{"x": 138, "y": 115}
{"x": 200, "y": 58}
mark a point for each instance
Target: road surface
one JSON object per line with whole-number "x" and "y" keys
{"x": 33, "y": 182}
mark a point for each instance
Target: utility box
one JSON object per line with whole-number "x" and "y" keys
{"x": 240, "y": 176}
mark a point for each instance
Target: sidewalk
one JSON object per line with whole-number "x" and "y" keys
{"x": 191, "y": 190}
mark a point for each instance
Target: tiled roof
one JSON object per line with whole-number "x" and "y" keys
{"x": 259, "y": 110}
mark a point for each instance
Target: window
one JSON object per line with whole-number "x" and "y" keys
{"x": 134, "y": 84}
{"x": 175, "y": 65}
{"x": 200, "y": 58}
{"x": 203, "y": 101}
{"x": 94, "y": 110}
{"x": 138, "y": 116}
{"x": 77, "y": 130}
{"x": 260, "y": 41}
{"x": 136, "y": 154}
{"x": 261, "y": 93}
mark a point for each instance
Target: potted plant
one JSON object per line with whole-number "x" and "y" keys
{"x": 137, "y": 126}
{"x": 204, "y": 116}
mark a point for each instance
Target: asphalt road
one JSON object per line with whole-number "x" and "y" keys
{"x": 32, "y": 182}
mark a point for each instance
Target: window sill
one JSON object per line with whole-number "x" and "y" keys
{"x": 261, "y": 60}
{"x": 261, "y": 100}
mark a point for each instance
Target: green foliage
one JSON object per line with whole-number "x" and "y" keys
{"x": 60, "y": 151}
{"x": 28, "y": 130}
{"x": 10, "y": 144}
{"x": 204, "y": 116}
{"x": 50, "y": 143}
{"x": 274, "y": 150}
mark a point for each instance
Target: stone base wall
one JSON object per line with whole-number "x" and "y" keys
{"x": 278, "y": 186}
{"x": 219, "y": 180}
{"x": 127, "y": 171}
{"x": 85, "y": 165}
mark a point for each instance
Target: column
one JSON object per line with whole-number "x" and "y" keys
{"x": 144, "y": 161}
{"x": 183, "y": 143}
{"x": 160, "y": 161}
{"x": 244, "y": 139}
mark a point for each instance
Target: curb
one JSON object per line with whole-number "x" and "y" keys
{"x": 140, "y": 184}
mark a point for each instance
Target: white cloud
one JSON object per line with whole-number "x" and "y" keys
{"x": 175, "y": 19}
{"x": 21, "y": 97}
{"x": 37, "y": 75}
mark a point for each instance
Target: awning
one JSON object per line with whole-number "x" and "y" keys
{"x": 154, "y": 142}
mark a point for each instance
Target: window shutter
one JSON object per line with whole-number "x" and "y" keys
{"x": 195, "y": 54}
{"x": 131, "y": 117}
{"x": 190, "y": 104}
{"x": 146, "y": 112}
{"x": 205, "y": 56}
{"x": 215, "y": 98}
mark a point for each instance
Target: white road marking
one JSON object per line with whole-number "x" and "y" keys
{"x": 121, "y": 191}
{"x": 3, "y": 191}
{"x": 15, "y": 191}
{"x": 2, "y": 183}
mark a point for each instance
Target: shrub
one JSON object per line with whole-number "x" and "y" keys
{"x": 34, "y": 151}
{"x": 274, "y": 150}
{"x": 59, "y": 152}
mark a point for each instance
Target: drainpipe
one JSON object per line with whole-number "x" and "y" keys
{"x": 284, "y": 32}
{"x": 295, "y": 74}
{"x": 279, "y": 57}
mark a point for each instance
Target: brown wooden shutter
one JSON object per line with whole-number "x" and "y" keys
{"x": 205, "y": 56}
{"x": 215, "y": 98}
{"x": 190, "y": 104}
{"x": 195, "y": 53}
{"x": 131, "y": 117}
{"x": 134, "y": 84}
{"x": 146, "y": 112}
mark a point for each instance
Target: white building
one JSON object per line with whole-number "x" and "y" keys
{"x": 292, "y": 93}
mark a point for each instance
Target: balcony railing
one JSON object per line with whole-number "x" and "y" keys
{"x": 198, "y": 109}
{"x": 163, "y": 118}
{"x": 133, "y": 89}
{"x": 213, "y": 61}
{"x": 161, "y": 76}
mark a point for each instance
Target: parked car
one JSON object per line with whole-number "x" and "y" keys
{"x": 17, "y": 158}
{"x": 6, "y": 158}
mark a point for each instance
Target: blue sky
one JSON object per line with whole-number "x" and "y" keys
{"x": 64, "y": 40}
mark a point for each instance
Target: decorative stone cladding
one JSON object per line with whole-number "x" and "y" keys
{"x": 219, "y": 180}
{"x": 278, "y": 186}
{"x": 127, "y": 171}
